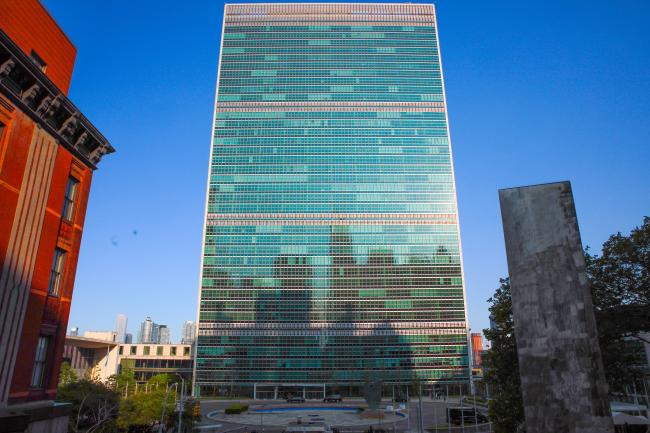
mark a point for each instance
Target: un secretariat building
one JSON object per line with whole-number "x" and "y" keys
{"x": 331, "y": 253}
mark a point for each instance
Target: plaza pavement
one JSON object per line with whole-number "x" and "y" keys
{"x": 433, "y": 413}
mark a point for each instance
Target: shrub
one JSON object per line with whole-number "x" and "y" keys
{"x": 236, "y": 408}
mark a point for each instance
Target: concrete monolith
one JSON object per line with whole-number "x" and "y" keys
{"x": 562, "y": 376}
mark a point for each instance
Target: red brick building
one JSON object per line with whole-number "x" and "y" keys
{"x": 477, "y": 349}
{"x": 48, "y": 151}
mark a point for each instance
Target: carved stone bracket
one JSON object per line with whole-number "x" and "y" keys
{"x": 25, "y": 85}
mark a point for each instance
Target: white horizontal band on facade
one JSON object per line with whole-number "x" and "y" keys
{"x": 300, "y": 43}
{"x": 319, "y": 21}
{"x": 332, "y": 217}
{"x": 324, "y": 57}
{"x": 325, "y": 23}
{"x": 335, "y": 103}
{"x": 325, "y": 223}
{"x": 332, "y": 333}
{"x": 253, "y": 107}
{"x": 331, "y": 325}
{"x": 355, "y": 9}
{"x": 336, "y": 216}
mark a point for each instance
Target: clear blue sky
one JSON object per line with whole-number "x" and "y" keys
{"x": 537, "y": 92}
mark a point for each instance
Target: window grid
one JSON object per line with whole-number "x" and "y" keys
{"x": 331, "y": 201}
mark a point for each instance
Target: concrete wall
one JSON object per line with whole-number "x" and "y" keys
{"x": 562, "y": 377}
{"x": 102, "y": 335}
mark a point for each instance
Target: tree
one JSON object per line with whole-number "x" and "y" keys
{"x": 67, "y": 374}
{"x": 502, "y": 365}
{"x": 620, "y": 283}
{"x": 142, "y": 410}
{"x": 94, "y": 406}
{"x": 123, "y": 382}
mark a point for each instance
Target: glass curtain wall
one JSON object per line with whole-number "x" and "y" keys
{"x": 331, "y": 250}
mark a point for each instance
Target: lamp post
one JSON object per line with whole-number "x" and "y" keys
{"x": 262, "y": 417}
{"x": 420, "y": 423}
{"x": 162, "y": 415}
{"x": 180, "y": 402}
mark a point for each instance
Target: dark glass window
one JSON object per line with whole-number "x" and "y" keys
{"x": 56, "y": 274}
{"x": 70, "y": 197}
{"x": 40, "y": 361}
{"x": 146, "y": 350}
{"x": 159, "y": 350}
{"x": 133, "y": 349}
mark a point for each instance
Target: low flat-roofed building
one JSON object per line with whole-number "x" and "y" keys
{"x": 148, "y": 360}
{"x": 100, "y": 359}
{"x": 91, "y": 357}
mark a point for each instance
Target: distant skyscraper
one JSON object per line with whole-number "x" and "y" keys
{"x": 164, "y": 335}
{"x": 120, "y": 327}
{"x": 128, "y": 338}
{"x": 188, "y": 332}
{"x": 155, "y": 333}
{"x": 152, "y": 332}
{"x": 148, "y": 331}
{"x": 331, "y": 250}
{"x": 74, "y": 331}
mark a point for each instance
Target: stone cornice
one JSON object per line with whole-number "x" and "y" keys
{"x": 26, "y": 86}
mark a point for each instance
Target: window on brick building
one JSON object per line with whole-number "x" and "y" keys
{"x": 38, "y": 373}
{"x": 70, "y": 197}
{"x": 56, "y": 275}
{"x": 133, "y": 349}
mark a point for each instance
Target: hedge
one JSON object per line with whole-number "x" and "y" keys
{"x": 236, "y": 408}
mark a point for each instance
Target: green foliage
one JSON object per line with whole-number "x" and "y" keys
{"x": 67, "y": 374}
{"x": 620, "y": 282}
{"x": 94, "y": 406}
{"x": 477, "y": 400}
{"x": 416, "y": 385}
{"x": 501, "y": 364}
{"x": 122, "y": 405}
{"x": 192, "y": 409}
{"x": 236, "y": 408}
{"x": 123, "y": 382}
{"x": 621, "y": 275}
{"x": 140, "y": 411}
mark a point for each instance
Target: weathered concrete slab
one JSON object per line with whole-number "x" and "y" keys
{"x": 562, "y": 377}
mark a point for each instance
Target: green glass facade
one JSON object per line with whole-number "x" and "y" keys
{"x": 331, "y": 250}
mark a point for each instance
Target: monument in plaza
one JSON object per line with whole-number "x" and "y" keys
{"x": 562, "y": 376}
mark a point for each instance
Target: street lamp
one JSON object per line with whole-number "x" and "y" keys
{"x": 180, "y": 401}
{"x": 162, "y": 415}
